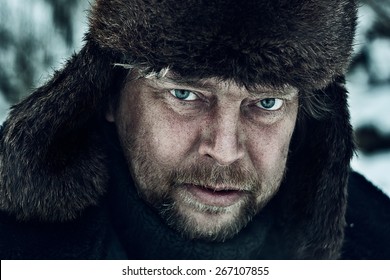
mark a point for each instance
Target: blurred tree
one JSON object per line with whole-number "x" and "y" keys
{"x": 373, "y": 56}
{"x": 63, "y": 11}
{"x": 376, "y": 42}
{"x": 25, "y": 53}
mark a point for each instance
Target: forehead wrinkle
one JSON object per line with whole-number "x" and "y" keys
{"x": 286, "y": 91}
{"x": 213, "y": 84}
{"x": 206, "y": 84}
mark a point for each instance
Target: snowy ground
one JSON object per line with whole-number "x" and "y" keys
{"x": 375, "y": 168}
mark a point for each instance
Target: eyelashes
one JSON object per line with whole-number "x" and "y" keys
{"x": 268, "y": 104}
{"x": 184, "y": 95}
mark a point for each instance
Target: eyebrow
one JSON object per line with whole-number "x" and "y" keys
{"x": 205, "y": 84}
{"x": 190, "y": 82}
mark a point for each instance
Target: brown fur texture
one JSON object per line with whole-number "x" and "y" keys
{"x": 52, "y": 164}
{"x": 302, "y": 43}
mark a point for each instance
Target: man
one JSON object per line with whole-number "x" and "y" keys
{"x": 193, "y": 130}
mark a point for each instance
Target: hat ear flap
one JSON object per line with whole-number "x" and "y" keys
{"x": 315, "y": 189}
{"x": 51, "y": 161}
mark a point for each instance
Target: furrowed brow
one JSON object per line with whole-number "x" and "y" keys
{"x": 283, "y": 92}
{"x": 256, "y": 91}
{"x": 190, "y": 83}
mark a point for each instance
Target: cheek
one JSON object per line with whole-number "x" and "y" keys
{"x": 268, "y": 147}
{"x": 168, "y": 137}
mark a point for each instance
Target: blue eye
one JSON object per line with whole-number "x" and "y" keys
{"x": 270, "y": 104}
{"x": 183, "y": 94}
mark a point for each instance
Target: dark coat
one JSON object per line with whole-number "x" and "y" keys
{"x": 105, "y": 231}
{"x": 55, "y": 171}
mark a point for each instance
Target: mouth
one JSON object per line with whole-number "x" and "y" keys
{"x": 220, "y": 196}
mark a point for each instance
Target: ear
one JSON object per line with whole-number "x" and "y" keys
{"x": 52, "y": 160}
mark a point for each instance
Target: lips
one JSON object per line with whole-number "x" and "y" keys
{"x": 222, "y": 196}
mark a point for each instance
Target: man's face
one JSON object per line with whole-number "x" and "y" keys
{"x": 207, "y": 155}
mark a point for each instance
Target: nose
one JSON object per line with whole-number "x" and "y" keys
{"x": 221, "y": 139}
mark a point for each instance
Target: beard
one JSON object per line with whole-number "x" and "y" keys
{"x": 196, "y": 220}
{"x": 165, "y": 187}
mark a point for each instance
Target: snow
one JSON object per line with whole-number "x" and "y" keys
{"x": 380, "y": 59}
{"x": 4, "y": 106}
{"x": 369, "y": 105}
{"x": 376, "y": 169}
{"x": 34, "y": 19}
{"x": 366, "y": 19}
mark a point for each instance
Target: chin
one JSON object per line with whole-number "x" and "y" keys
{"x": 207, "y": 223}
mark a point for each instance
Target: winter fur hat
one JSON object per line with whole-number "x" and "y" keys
{"x": 52, "y": 161}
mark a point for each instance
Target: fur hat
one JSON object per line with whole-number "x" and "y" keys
{"x": 52, "y": 161}
{"x": 301, "y": 43}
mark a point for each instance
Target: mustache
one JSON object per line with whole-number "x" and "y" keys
{"x": 232, "y": 177}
